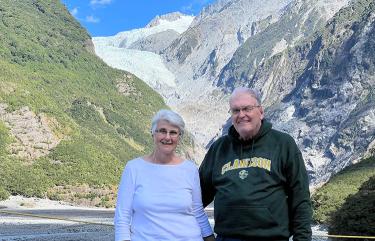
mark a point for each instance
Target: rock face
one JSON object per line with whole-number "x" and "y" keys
{"x": 311, "y": 60}
{"x": 298, "y": 21}
{"x": 226, "y": 44}
{"x": 333, "y": 98}
{"x": 197, "y": 56}
{"x": 321, "y": 90}
{"x": 213, "y": 37}
{"x": 314, "y": 68}
{"x": 33, "y": 133}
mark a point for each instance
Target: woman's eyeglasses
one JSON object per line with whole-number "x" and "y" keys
{"x": 165, "y": 132}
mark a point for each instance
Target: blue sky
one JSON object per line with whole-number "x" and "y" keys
{"x": 108, "y": 17}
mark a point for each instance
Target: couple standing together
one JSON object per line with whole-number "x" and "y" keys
{"x": 255, "y": 175}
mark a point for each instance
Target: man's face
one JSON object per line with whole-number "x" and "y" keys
{"x": 247, "y": 115}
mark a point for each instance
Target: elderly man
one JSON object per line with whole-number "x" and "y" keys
{"x": 257, "y": 177}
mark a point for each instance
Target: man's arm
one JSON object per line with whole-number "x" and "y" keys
{"x": 205, "y": 175}
{"x": 299, "y": 199}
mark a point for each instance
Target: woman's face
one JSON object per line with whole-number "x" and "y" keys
{"x": 166, "y": 137}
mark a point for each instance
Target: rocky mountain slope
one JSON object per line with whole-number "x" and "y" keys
{"x": 311, "y": 60}
{"x": 197, "y": 56}
{"x": 298, "y": 21}
{"x": 320, "y": 88}
{"x": 322, "y": 91}
{"x": 228, "y": 38}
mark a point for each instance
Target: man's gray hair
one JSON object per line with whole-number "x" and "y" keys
{"x": 244, "y": 90}
{"x": 169, "y": 116}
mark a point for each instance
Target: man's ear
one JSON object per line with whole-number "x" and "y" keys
{"x": 261, "y": 112}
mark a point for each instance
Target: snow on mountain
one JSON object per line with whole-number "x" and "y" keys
{"x": 145, "y": 65}
{"x": 148, "y": 66}
{"x": 126, "y": 38}
{"x": 172, "y": 17}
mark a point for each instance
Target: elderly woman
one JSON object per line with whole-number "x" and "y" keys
{"x": 159, "y": 196}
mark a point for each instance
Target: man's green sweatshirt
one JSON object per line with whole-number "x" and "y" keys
{"x": 260, "y": 186}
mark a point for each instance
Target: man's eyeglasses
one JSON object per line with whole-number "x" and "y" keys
{"x": 165, "y": 132}
{"x": 245, "y": 109}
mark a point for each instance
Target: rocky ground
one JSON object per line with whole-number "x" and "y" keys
{"x": 38, "y": 219}
{"x": 35, "y": 219}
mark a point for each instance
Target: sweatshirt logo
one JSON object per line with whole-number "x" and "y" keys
{"x": 245, "y": 163}
{"x": 243, "y": 174}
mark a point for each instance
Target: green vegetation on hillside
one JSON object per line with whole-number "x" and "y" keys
{"x": 47, "y": 63}
{"x": 357, "y": 215}
{"x": 332, "y": 198}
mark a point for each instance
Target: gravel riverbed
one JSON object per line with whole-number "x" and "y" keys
{"x": 34, "y": 219}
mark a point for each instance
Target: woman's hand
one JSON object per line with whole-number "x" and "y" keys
{"x": 209, "y": 238}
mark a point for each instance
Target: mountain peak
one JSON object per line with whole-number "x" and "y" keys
{"x": 170, "y": 17}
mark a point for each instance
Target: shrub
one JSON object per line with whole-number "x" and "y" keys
{"x": 332, "y": 195}
{"x": 4, "y": 194}
{"x": 357, "y": 215}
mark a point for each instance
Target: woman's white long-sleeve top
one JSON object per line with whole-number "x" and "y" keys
{"x": 160, "y": 202}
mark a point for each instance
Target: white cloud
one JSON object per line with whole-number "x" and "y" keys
{"x": 74, "y": 11}
{"x": 187, "y": 8}
{"x": 100, "y": 2}
{"x": 194, "y": 5}
{"x": 92, "y": 19}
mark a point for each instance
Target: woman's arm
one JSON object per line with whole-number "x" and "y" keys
{"x": 124, "y": 210}
{"x": 198, "y": 210}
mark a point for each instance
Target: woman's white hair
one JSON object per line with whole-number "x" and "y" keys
{"x": 169, "y": 116}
